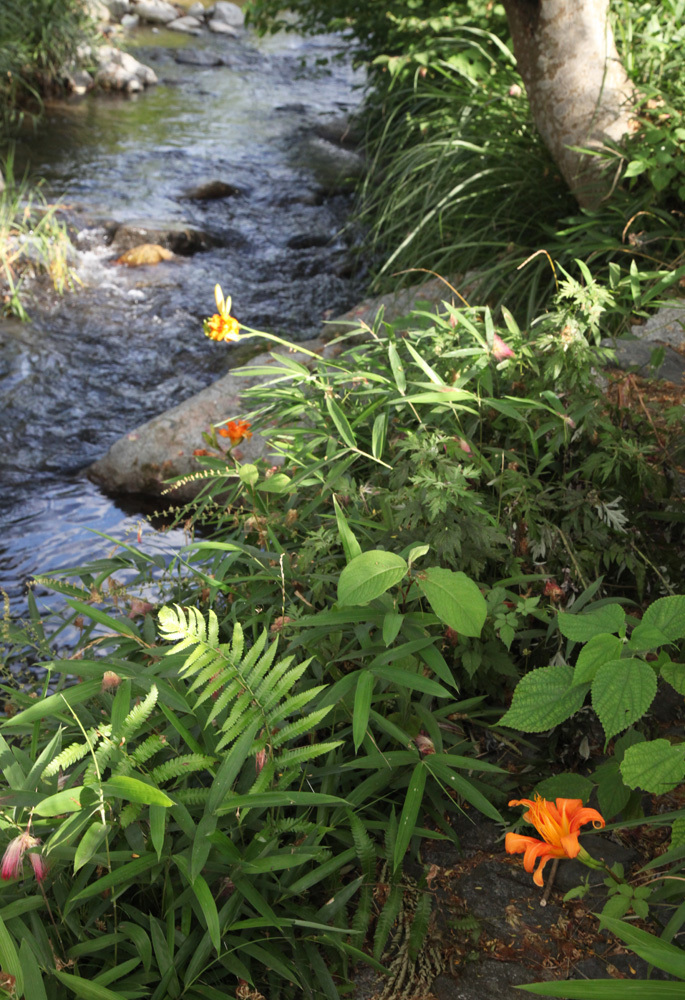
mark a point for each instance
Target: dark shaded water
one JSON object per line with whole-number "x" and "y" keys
{"x": 127, "y": 343}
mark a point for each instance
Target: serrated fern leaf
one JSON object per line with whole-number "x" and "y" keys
{"x": 222, "y": 700}
{"x": 129, "y": 814}
{"x": 192, "y": 796}
{"x": 386, "y": 921}
{"x": 180, "y": 766}
{"x": 364, "y": 846}
{"x": 139, "y": 714}
{"x": 148, "y": 748}
{"x": 102, "y": 757}
{"x": 294, "y": 704}
{"x": 300, "y": 754}
{"x": 74, "y": 752}
{"x": 299, "y": 727}
{"x": 238, "y": 643}
{"x": 274, "y": 676}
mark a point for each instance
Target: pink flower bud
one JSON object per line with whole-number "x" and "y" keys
{"x": 515, "y": 90}
{"x": 424, "y": 744}
{"x": 40, "y": 868}
{"x": 13, "y": 858}
{"x": 259, "y": 760}
{"x": 500, "y": 350}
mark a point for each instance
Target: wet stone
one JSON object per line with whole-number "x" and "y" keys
{"x": 184, "y": 241}
{"x": 198, "y": 57}
{"x": 212, "y": 191}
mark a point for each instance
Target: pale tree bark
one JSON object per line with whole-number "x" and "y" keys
{"x": 579, "y": 92}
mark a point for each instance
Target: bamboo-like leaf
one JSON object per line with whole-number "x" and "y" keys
{"x": 135, "y": 790}
{"x": 34, "y": 988}
{"x": 125, "y": 874}
{"x": 89, "y": 843}
{"x": 86, "y": 989}
{"x": 9, "y": 957}
{"x": 362, "y": 707}
{"x": 204, "y": 898}
{"x": 409, "y": 815}
{"x": 54, "y": 705}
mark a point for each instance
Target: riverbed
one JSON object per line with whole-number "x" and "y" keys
{"x": 127, "y": 343}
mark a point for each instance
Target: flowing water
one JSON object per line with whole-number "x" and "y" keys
{"x": 127, "y": 343}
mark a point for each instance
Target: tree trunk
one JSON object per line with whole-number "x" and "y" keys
{"x": 579, "y": 92}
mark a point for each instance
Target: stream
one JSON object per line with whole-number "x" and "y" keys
{"x": 127, "y": 343}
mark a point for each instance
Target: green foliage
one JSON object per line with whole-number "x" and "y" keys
{"x": 33, "y": 242}
{"x": 39, "y": 40}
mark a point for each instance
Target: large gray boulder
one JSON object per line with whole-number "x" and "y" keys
{"x": 162, "y": 448}
{"x": 155, "y": 11}
{"x": 229, "y": 13}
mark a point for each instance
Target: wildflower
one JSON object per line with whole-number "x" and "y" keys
{"x": 553, "y": 590}
{"x": 500, "y": 350}
{"x": 464, "y": 445}
{"x": 110, "y": 681}
{"x": 515, "y": 90}
{"x": 424, "y": 744}
{"x": 259, "y": 761}
{"x": 558, "y": 825}
{"x": 236, "y": 430}
{"x": 222, "y": 326}
{"x": 39, "y": 865}
{"x": 13, "y": 858}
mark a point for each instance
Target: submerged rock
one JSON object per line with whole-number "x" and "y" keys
{"x": 183, "y": 240}
{"x": 146, "y": 253}
{"x": 198, "y": 57}
{"x": 213, "y": 190}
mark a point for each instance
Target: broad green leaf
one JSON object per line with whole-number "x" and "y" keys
{"x": 655, "y": 766}
{"x": 278, "y": 483}
{"x": 369, "y": 575}
{"x": 158, "y": 818}
{"x": 652, "y": 949}
{"x": 117, "y": 625}
{"x": 9, "y": 957}
{"x": 674, "y": 674}
{"x": 66, "y": 801}
{"x": 202, "y": 845}
{"x": 668, "y": 615}
{"x": 397, "y": 368}
{"x": 544, "y": 698}
{"x": 612, "y": 794}
{"x": 645, "y": 637}
{"x": 598, "y": 650}
{"x": 140, "y": 940}
{"x": 351, "y": 546}
{"x": 89, "y": 843}
{"x": 622, "y": 691}
{"x": 565, "y": 786}
{"x": 125, "y": 874}
{"x": 362, "y": 707}
{"x": 55, "y": 704}
{"x": 410, "y": 813}
{"x": 341, "y": 422}
{"x": 378, "y": 435}
{"x": 230, "y": 767}
{"x": 408, "y": 679}
{"x": 392, "y": 623}
{"x": 33, "y": 977}
{"x": 204, "y": 898}
{"x": 86, "y": 989}
{"x": 607, "y": 989}
{"x": 454, "y": 598}
{"x": 582, "y": 627}
{"x": 121, "y": 786}
{"x": 249, "y": 474}
{"x": 467, "y": 791}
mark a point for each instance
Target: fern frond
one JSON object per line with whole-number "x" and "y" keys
{"x": 222, "y": 700}
{"x": 238, "y": 643}
{"x": 299, "y": 727}
{"x": 192, "y": 796}
{"x": 364, "y": 846}
{"x": 295, "y": 704}
{"x": 282, "y": 686}
{"x": 75, "y": 752}
{"x": 129, "y": 814}
{"x": 138, "y": 714}
{"x": 181, "y": 766}
{"x": 102, "y": 756}
{"x": 148, "y": 748}
{"x": 300, "y": 754}
{"x": 386, "y": 920}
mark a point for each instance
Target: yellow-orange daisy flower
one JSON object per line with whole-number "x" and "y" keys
{"x": 236, "y": 430}
{"x": 222, "y": 326}
{"x": 558, "y": 823}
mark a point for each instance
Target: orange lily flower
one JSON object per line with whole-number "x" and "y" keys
{"x": 236, "y": 430}
{"x": 222, "y": 326}
{"x": 558, "y": 824}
